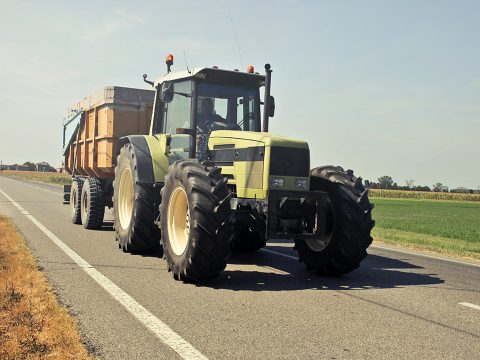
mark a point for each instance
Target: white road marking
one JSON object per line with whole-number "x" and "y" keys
{"x": 473, "y": 306}
{"x": 279, "y": 254}
{"x": 158, "y": 327}
{"x": 424, "y": 255}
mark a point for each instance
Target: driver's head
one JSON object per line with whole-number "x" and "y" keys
{"x": 207, "y": 106}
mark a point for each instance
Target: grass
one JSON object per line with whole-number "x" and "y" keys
{"x": 32, "y": 323}
{"x": 46, "y": 177}
{"x": 447, "y": 227}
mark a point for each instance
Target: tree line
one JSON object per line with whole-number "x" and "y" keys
{"x": 386, "y": 182}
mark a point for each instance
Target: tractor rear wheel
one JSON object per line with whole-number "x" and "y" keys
{"x": 249, "y": 233}
{"x": 92, "y": 204}
{"x": 133, "y": 206}
{"x": 194, "y": 212}
{"x": 76, "y": 201}
{"x": 349, "y": 222}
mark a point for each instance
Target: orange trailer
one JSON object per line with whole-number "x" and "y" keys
{"x": 94, "y": 125}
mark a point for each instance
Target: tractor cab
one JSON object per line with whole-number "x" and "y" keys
{"x": 190, "y": 105}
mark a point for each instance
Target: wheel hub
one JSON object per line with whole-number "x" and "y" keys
{"x": 178, "y": 220}
{"x": 125, "y": 198}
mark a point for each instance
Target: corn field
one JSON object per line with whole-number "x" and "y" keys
{"x": 423, "y": 195}
{"x": 47, "y": 177}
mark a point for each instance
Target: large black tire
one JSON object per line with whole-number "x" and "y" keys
{"x": 93, "y": 204}
{"x": 249, "y": 232}
{"x": 349, "y": 222}
{"x": 76, "y": 201}
{"x": 194, "y": 212}
{"x": 134, "y": 206}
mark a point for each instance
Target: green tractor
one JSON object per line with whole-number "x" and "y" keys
{"x": 214, "y": 180}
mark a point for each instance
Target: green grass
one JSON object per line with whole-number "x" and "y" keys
{"x": 448, "y": 227}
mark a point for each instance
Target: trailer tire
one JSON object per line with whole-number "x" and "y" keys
{"x": 92, "y": 204}
{"x": 349, "y": 222}
{"x": 134, "y": 206}
{"x": 76, "y": 201}
{"x": 195, "y": 211}
{"x": 249, "y": 234}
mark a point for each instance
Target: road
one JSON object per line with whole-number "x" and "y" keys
{"x": 263, "y": 306}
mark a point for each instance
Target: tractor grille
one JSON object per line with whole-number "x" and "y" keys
{"x": 286, "y": 161}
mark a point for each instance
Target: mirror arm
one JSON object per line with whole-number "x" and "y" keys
{"x": 148, "y": 81}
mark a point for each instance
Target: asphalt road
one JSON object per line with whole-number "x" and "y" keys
{"x": 263, "y": 306}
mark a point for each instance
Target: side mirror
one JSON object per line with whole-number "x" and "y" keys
{"x": 272, "y": 106}
{"x": 166, "y": 95}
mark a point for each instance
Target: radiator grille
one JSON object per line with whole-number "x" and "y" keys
{"x": 289, "y": 162}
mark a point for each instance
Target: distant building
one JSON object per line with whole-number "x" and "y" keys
{"x": 45, "y": 167}
{"x": 22, "y": 168}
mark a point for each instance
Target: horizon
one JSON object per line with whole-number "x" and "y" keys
{"x": 381, "y": 87}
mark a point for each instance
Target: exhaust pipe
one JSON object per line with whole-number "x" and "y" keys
{"x": 266, "y": 100}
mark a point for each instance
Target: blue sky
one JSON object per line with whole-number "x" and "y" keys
{"x": 382, "y": 87}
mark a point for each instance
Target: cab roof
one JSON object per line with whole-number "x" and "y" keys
{"x": 216, "y": 75}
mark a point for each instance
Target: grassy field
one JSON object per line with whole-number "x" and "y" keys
{"x": 448, "y": 227}
{"x": 46, "y": 177}
{"x": 32, "y": 323}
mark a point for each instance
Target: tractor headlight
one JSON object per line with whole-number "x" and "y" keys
{"x": 301, "y": 184}
{"x": 277, "y": 182}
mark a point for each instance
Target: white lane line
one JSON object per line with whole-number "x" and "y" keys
{"x": 424, "y": 255}
{"x": 473, "y": 306}
{"x": 158, "y": 327}
{"x": 279, "y": 254}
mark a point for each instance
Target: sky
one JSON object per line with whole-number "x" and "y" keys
{"x": 380, "y": 87}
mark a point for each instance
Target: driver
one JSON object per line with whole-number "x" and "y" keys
{"x": 207, "y": 116}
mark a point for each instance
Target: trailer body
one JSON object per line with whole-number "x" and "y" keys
{"x": 95, "y": 125}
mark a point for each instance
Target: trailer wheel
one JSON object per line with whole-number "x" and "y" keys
{"x": 249, "y": 233}
{"x": 195, "y": 210}
{"x": 92, "y": 204}
{"x": 349, "y": 222}
{"x": 76, "y": 201}
{"x": 133, "y": 206}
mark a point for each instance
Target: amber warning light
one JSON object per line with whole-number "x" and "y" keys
{"x": 250, "y": 69}
{"x": 169, "y": 61}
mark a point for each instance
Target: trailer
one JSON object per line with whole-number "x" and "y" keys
{"x": 91, "y": 139}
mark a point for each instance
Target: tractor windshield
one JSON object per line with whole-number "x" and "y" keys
{"x": 226, "y": 107}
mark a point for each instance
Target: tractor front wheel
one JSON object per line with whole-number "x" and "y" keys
{"x": 349, "y": 222}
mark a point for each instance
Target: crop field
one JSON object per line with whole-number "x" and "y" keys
{"x": 449, "y": 227}
{"x": 424, "y": 195}
{"x": 47, "y": 177}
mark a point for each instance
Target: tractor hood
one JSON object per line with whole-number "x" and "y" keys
{"x": 253, "y": 161}
{"x": 267, "y": 139}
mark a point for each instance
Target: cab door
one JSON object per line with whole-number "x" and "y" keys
{"x": 177, "y": 116}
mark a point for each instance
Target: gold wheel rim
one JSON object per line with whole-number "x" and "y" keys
{"x": 178, "y": 221}
{"x": 125, "y": 198}
{"x": 85, "y": 203}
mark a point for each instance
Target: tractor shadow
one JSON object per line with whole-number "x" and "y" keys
{"x": 268, "y": 272}
{"x": 107, "y": 225}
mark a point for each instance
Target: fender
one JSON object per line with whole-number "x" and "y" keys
{"x": 151, "y": 160}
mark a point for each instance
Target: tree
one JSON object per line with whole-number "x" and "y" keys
{"x": 439, "y": 187}
{"x": 31, "y": 166}
{"x": 385, "y": 182}
{"x": 410, "y": 183}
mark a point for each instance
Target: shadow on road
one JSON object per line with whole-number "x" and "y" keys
{"x": 279, "y": 274}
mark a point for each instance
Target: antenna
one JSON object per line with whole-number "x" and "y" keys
{"x": 236, "y": 37}
{"x": 186, "y": 64}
